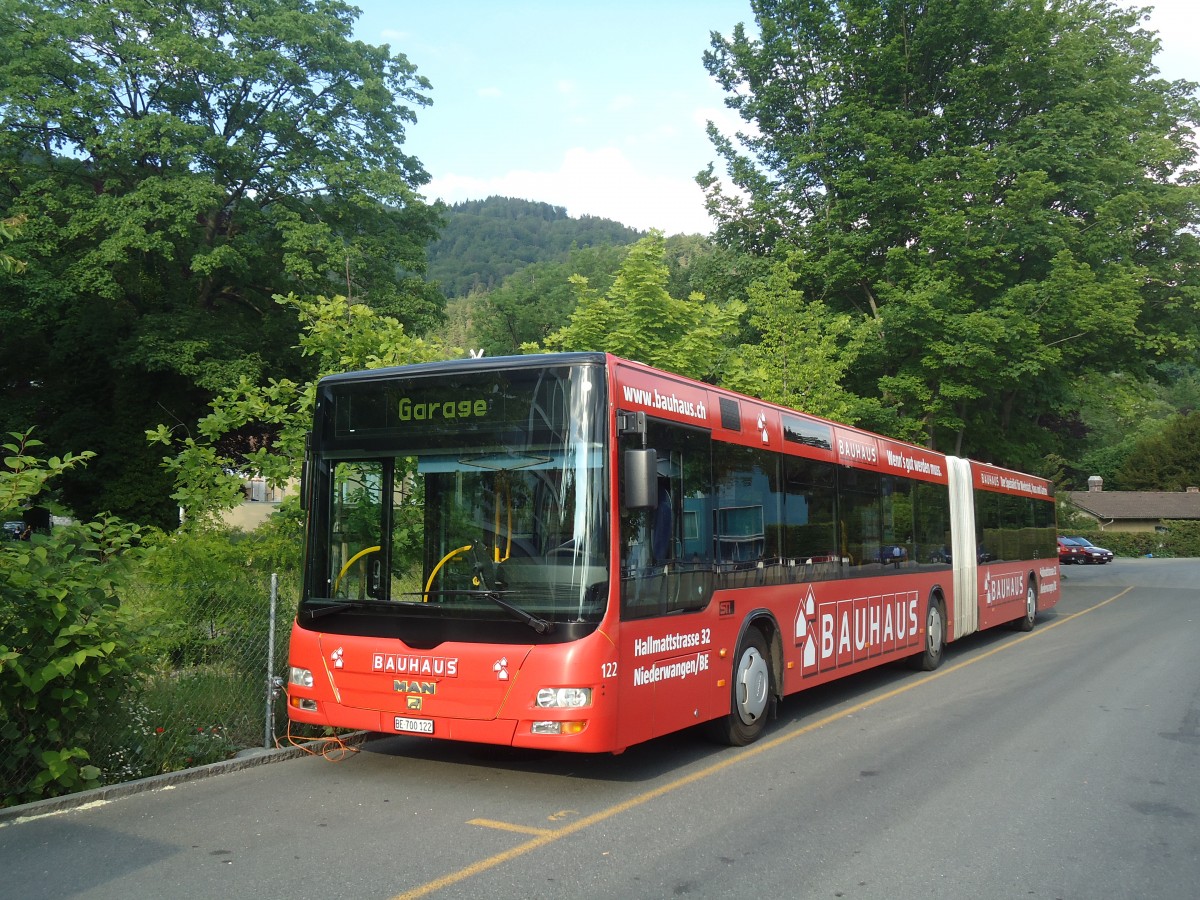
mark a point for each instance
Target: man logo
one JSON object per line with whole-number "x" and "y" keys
{"x": 414, "y": 703}
{"x": 414, "y": 687}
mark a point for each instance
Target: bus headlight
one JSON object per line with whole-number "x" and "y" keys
{"x": 564, "y": 698}
{"x": 300, "y": 677}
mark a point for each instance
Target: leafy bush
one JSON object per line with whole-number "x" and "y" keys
{"x": 200, "y": 608}
{"x": 65, "y": 652}
{"x": 1181, "y": 539}
{"x": 203, "y": 594}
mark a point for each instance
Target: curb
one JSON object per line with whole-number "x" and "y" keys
{"x": 246, "y": 759}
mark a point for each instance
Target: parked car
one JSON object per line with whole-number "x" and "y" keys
{"x": 1094, "y": 554}
{"x": 943, "y": 555}
{"x": 892, "y": 554}
{"x": 1070, "y": 552}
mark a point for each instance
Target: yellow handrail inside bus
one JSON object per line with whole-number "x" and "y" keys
{"x": 441, "y": 562}
{"x": 507, "y": 497}
{"x": 351, "y": 561}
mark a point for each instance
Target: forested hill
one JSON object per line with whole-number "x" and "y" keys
{"x": 485, "y": 241}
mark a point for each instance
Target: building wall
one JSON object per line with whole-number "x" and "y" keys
{"x": 250, "y": 514}
{"x": 260, "y": 503}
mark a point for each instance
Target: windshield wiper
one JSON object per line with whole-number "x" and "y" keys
{"x": 337, "y": 606}
{"x": 537, "y": 623}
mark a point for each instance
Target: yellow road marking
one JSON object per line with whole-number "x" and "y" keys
{"x": 510, "y": 826}
{"x": 545, "y": 837}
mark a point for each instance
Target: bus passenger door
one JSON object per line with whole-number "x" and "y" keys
{"x": 666, "y": 575}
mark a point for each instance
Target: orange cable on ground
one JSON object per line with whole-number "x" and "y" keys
{"x": 332, "y": 747}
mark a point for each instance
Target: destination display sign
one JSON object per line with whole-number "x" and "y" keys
{"x": 515, "y": 407}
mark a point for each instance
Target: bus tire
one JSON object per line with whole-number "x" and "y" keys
{"x": 930, "y": 656}
{"x": 1025, "y": 623}
{"x": 750, "y": 693}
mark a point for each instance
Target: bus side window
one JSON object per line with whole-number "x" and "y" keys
{"x": 749, "y": 513}
{"x": 809, "y": 530}
{"x": 1012, "y": 527}
{"x": 860, "y": 517}
{"x": 898, "y": 550}
{"x": 931, "y": 519}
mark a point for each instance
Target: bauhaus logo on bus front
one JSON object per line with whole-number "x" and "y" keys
{"x": 406, "y": 664}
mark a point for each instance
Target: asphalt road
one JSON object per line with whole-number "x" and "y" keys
{"x": 1060, "y": 764}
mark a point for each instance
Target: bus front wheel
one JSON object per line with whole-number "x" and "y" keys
{"x": 750, "y": 695}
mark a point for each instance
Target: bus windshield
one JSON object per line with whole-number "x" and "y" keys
{"x": 471, "y": 496}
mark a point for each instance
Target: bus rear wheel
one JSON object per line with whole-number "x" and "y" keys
{"x": 935, "y": 638}
{"x": 1025, "y": 623}
{"x": 750, "y": 694}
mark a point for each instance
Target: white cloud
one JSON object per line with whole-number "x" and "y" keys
{"x": 593, "y": 182}
{"x": 622, "y": 103}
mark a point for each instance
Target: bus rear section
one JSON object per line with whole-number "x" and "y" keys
{"x": 1015, "y": 546}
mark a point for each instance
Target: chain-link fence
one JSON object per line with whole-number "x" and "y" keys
{"x": 209, "y": 659}
{"x": 211, "y": 682}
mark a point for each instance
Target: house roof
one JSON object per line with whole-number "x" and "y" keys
{"x": 1138, "y": 504}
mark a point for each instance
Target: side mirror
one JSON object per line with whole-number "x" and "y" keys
{"x": 641, "y": 479}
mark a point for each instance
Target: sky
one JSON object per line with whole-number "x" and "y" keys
{"x": 597, "y": 106}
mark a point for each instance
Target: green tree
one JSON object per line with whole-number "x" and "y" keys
{"x": 1002, "y": 190}
{"x": 698, "y": 265}
{"x": 639, "y": 319}
{"x": 178, "y": 164}
{"x": 804, "y": 353}
{"x": 10, "y": 265}
{"x": 1108, "y": 413}
{"x": 484, "y": 242}
{"x": 539, "y": 298}
{"x": 1165, "y": 461}
{"x": 260, "y": 428}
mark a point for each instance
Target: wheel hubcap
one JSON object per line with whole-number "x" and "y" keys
{"x": 753, "y": 685}
{"x": 934, "y": 631}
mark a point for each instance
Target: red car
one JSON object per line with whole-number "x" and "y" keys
{"x": 1070, "y": 552}
{"x": 1091, "y": 552}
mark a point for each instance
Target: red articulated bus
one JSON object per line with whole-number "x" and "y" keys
{"x": 578, "y": 552}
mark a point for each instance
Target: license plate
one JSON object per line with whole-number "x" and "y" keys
{"x": 416, "y": 726}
